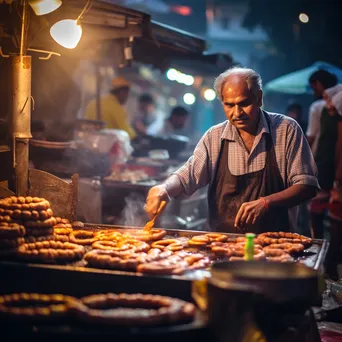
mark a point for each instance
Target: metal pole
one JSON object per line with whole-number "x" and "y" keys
{"x": 98, "y": 92}
{"x": 20, "y": 113}
{"x": 20, "y": 109}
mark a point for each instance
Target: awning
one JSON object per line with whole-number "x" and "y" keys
{"x": 106, "y": 30}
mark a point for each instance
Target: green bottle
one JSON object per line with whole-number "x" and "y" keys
{"x": 249, "y": 246}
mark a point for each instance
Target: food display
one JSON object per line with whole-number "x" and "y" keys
{"x": 30, "y": 232}
{"x": 137, "y": 310}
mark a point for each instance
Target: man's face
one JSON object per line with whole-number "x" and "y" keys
{"x": 179, "y": 121}
{"x": 146, "y": 108}
{"x": 122, "y": 95}
{"x": 293, "y": 114}
{"x": 317, "y": 88}
{"x": 240, "y": 105}
{"x": 328, "y": 104}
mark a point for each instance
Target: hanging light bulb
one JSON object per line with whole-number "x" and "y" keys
{"x": 41, "y": 7}
{"x": 67, "y": 33}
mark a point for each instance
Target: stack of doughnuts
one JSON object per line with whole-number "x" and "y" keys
{"x": 11, "y": 237}
{"x": 33, "y": 213}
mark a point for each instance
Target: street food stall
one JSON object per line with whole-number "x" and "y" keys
{"x": 65, "y": 279}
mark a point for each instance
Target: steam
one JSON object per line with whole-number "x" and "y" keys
{"x": 133, "y": 213}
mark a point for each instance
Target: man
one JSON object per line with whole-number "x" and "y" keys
{"x": 319, "y": 81}
{"x": 295, "y": 111}
{"x": 112, "y": 111}
{"x": 257, "y": 164}
{"x": 333, "y": 98}
{"x": 176, "y": 122}
{"x": 147, "y": 122}
{"x": 325, "y": 159}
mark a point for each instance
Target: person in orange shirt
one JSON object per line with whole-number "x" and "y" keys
{"x": 112, "y": 110}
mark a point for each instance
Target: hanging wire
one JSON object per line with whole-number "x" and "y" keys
{"x": 85, "y": 10}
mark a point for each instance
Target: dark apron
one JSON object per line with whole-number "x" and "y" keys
{"x": 228, "y": 192}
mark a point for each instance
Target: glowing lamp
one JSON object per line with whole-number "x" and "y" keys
{"x": 67, "y": 33}
{"x": 209, "y": 94}
{"x": 189, "y": 98}
{"x": 42, "y": 7}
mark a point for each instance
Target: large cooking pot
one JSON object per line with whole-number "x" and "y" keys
{"x": 250, "y": 301}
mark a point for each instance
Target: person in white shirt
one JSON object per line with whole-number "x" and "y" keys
{"x": 319, "y": 81}
{"x": 176, "y": 123}
{"x": 147, "y": 121}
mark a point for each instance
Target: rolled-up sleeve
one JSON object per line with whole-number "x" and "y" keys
{"x": 196, "y": 172}
{"x": 301, "y": 167}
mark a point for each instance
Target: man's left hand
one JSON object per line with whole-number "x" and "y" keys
{"x": 250, "y": 213}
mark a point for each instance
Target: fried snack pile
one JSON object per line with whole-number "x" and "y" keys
{"x": 29, "y": 230}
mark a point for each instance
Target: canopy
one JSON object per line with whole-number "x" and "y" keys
{"x": 297, "y": 82}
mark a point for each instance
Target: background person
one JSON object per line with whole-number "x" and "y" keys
{"x": 112, "y": 110}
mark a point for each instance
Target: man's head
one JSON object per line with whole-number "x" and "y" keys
{"x": 146, "y": 104}
{"x": 120, "y": 88}
{"x": 331, "y": 99}
{"x": 178, "y": 117}
{"x": 294, "y": 111}
{"x": 240, "y": 91}
{"x": 321, "y": 80}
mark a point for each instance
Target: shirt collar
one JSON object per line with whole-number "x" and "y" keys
{"x": 231, "y": 133}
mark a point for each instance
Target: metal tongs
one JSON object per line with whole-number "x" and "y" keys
{"x": 150, "y": 224}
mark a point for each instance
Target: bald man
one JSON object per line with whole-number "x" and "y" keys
{"x": 258, "y": 165}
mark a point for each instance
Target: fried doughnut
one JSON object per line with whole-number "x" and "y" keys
{"x": 220, "y": 247}
{"x": 6, "y": 218}
{"x": 283, "y": 237}
{"x": 110, "y": 259}
{"x": 290, "y": 248}
{"x": 122, "y": 247}
{"x": 50, "y": 251}
{"x": 135, "y": 310}
{"x": 146, "y": 236}
{"x": 109, "y": 235}
{"x": 39, "y": 231}
{"x": 51, "y": 222}
{"x": 24, "y": 203}
{"x": 77, "y": 225}
{"x": 171, "y": 244}
{"x": 11, "y": 230}
{"x": 239, "y": 254}
{"x": 62, "y": 231}
{"x": 82, "y": 237}
{"x": 36, "y": 306}
{"x": 11, "y": 243}
{"x": 33, "y": 239}
{"x": 199, "y": 241}
{"x": 6, "y": 212}
{"x": 62, "y": 220}
{"x": 216, "y": 237}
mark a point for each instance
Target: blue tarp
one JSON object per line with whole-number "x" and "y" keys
{"x": 298, "y": 82}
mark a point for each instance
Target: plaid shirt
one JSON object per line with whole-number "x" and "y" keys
{"x": 295, "y": 161}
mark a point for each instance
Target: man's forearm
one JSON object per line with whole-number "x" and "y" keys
{"x": 174, "y": 186}
{"x": 292, "y": 196}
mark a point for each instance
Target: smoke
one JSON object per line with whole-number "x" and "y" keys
{"x": 133, "y": 213}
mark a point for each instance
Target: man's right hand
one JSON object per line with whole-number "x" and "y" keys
{"x": 155, "y": 196}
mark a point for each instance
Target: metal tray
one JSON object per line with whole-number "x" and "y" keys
{"x": 81, "y": 281}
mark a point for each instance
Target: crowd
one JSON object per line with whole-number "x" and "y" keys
{"x": 146, "y": 121}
